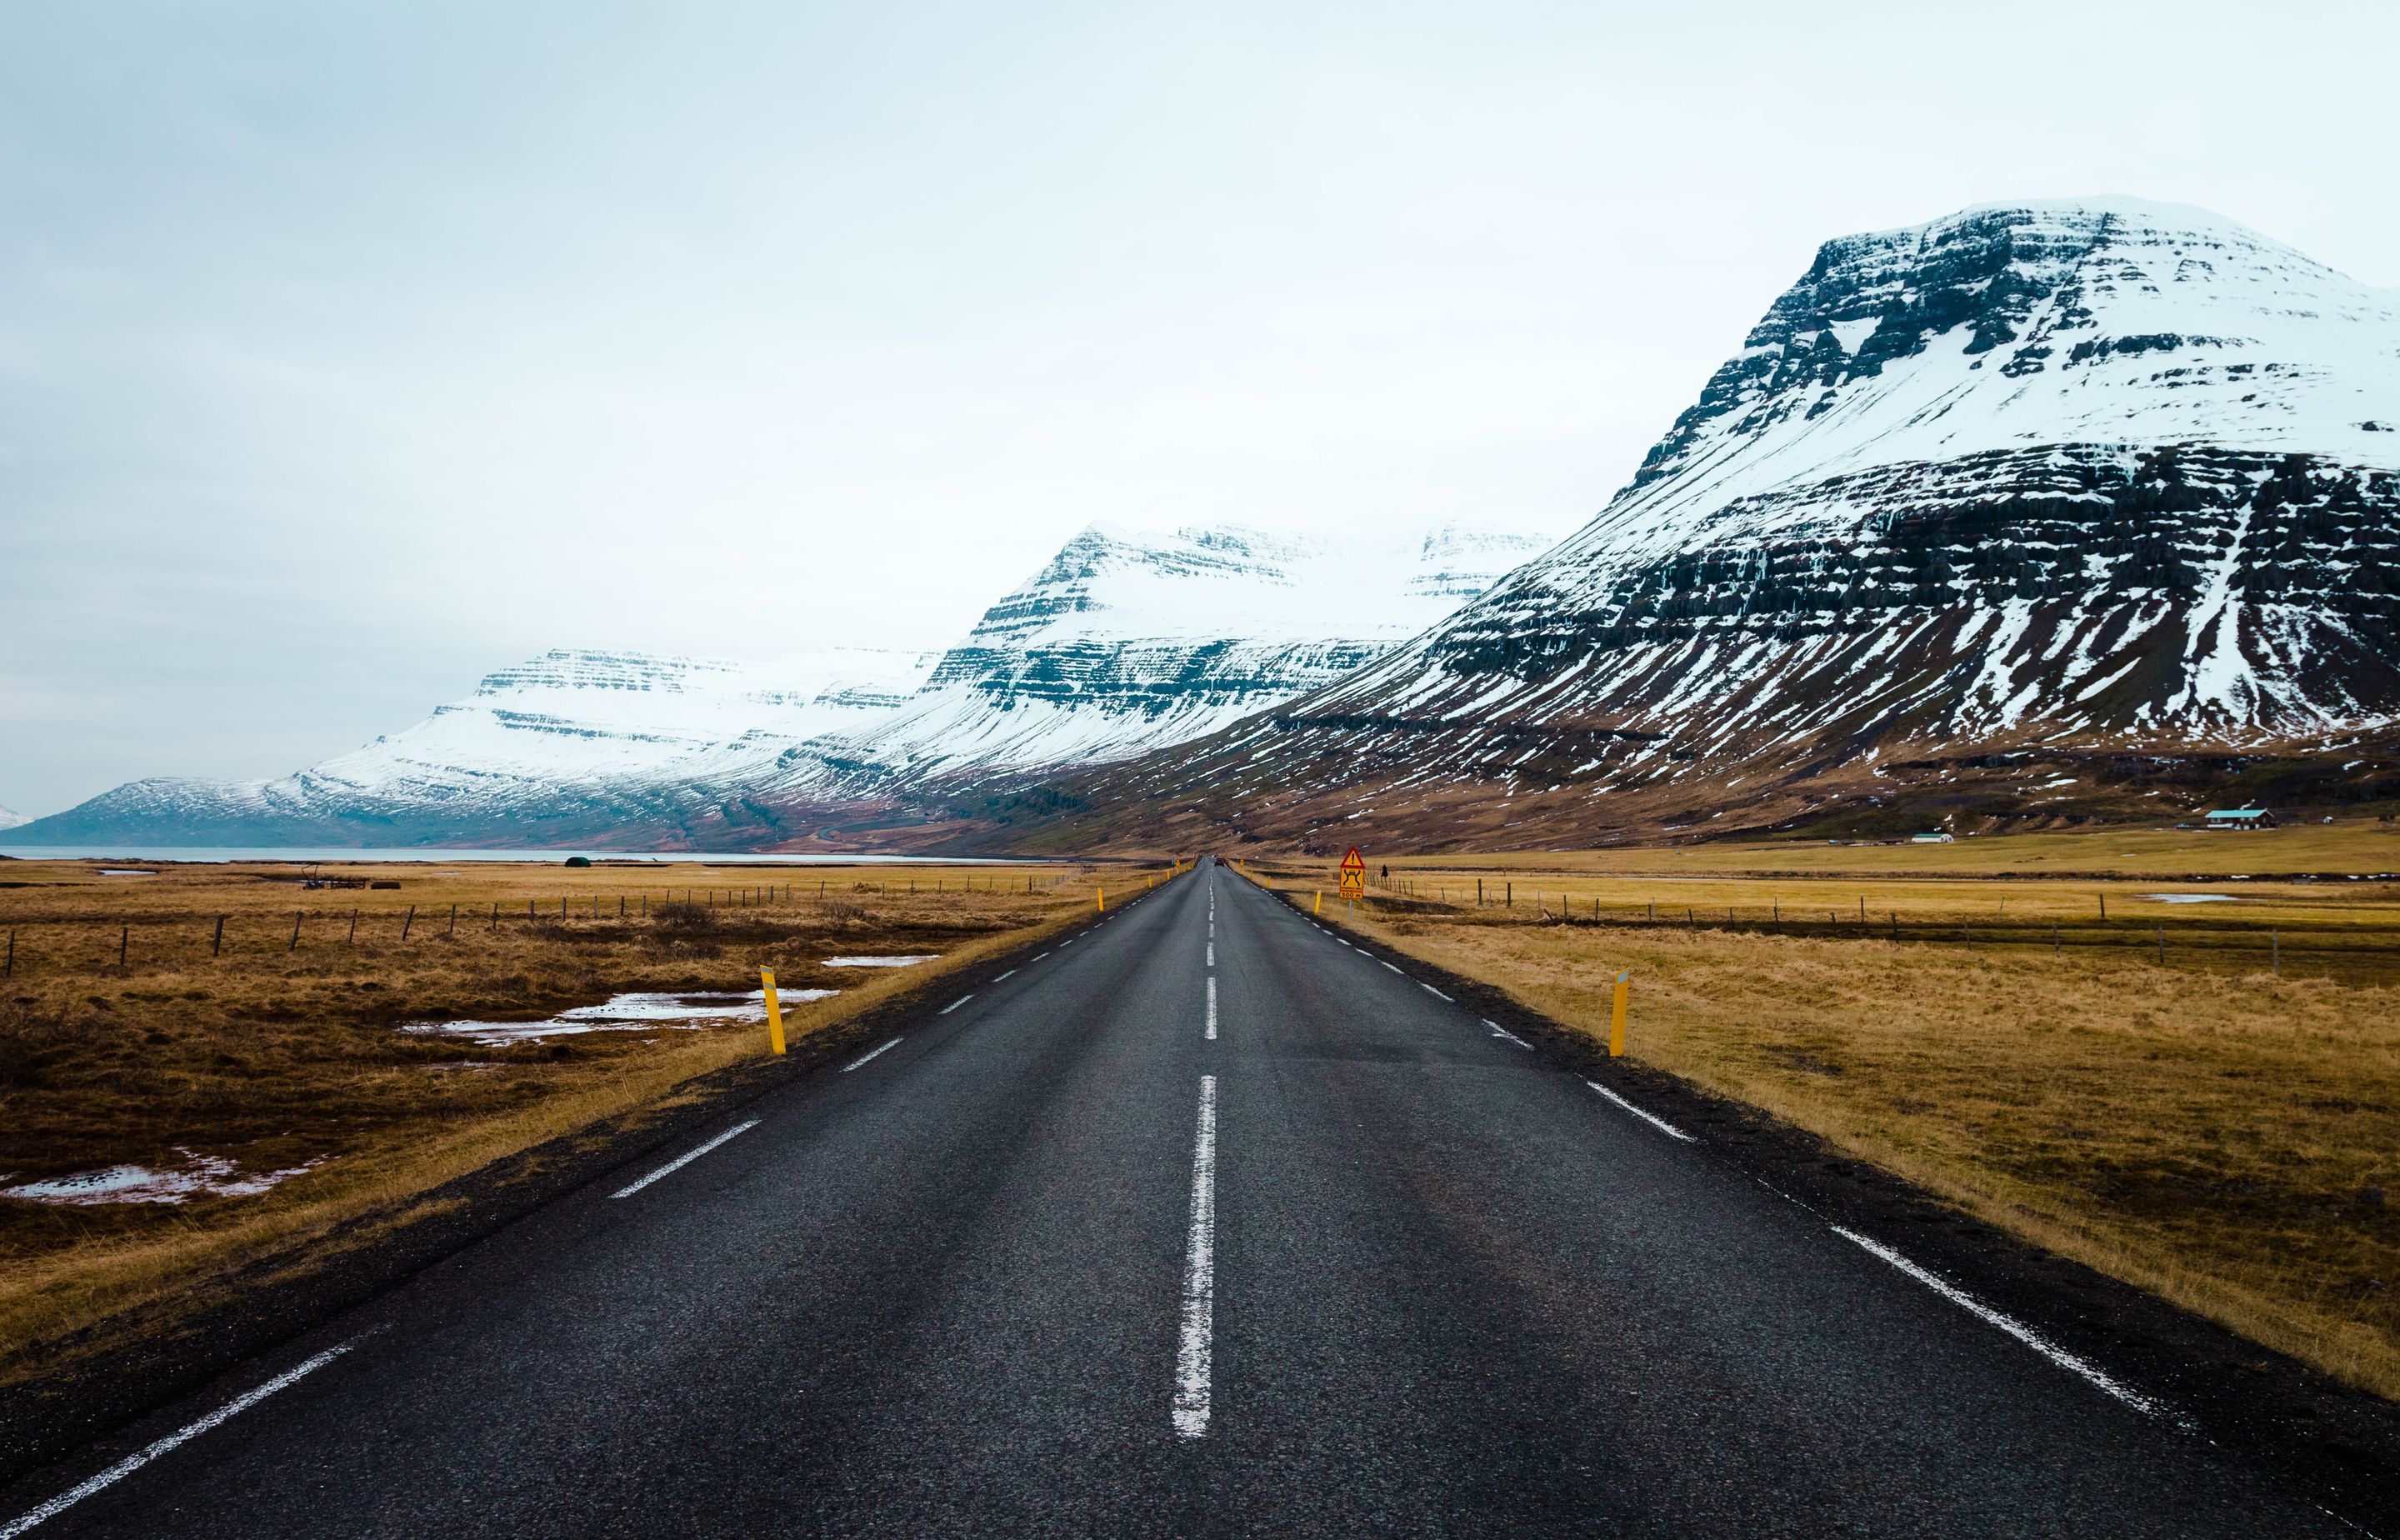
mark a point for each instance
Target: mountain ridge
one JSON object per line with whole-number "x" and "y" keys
{"x": 2063, "y": 478}
{"x": 1121, "y": 643}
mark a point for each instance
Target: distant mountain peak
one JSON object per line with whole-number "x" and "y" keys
{"x": 2091, "y": 474}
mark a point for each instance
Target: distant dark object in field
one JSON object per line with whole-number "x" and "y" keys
{"x": 384, "y": 884}
{"x": 578, "y": 860}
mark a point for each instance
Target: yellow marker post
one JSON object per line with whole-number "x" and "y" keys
{"x": 1616, "y": 1017}
{"x": 1099, "y": 899}
{"x": 1320, "y": 900}
{"x": 774, "y": 1009}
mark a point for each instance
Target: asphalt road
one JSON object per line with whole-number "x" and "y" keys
{"x": 1059, "y": 1259}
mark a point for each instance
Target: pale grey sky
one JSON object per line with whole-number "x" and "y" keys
{"x": 347, "y": 352}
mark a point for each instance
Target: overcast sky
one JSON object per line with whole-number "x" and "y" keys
{"x": 347, "y": 352}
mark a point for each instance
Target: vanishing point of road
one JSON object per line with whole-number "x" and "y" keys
{"x": 1202, "y": 1221}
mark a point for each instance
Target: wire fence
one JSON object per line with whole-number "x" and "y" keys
{"x": 2352, "y": 948}
{"x": 120, "y": 943}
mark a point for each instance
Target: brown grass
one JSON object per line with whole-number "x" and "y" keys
{"x": 2226, "y": 1139}
{"x": 273, "y": 1055}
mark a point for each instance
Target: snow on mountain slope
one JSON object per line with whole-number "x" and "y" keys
{"x": 569, "y": 716}
{"x": 1121, "y": 643}
{"x": 574, "y": 745}
{"x": 2101, "y": 472}
{"x": 1124, "y": 643}
{"x": 10, "y": 820}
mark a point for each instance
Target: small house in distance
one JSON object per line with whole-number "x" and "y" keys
{"x": 2240, "y": 818}
{"x": 1940, "y": 837}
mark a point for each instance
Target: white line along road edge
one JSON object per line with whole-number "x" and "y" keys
{"x": 1191, "y": 1353}
{"x": 1658, "y": 1123}
{"x": 2008, "y": 1324}
{"x": 671, "y": 1167}
{"x": 184, "y": 1435}
{"x": 871, "y": 1054}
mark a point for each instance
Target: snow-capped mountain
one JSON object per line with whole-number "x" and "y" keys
{"x": 1124, "y": 643}
{"x": 2085, "y": 475}
{"x": 11, "y": 820}
{"x": 573, "y": 746}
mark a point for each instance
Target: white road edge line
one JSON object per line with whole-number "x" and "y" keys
{"x": 1498, "y": 1030}
{"x": 681, "y": 1161}
{"x": 1388, "y": 965}
{"x": 181, "y": 1436}
{"x": 1038, "y": 957}
{"x": 2008, "y": 1324}
{"x": 867, "y": 1057}
{"x": 1658, "y": 1123}
{"x": 944, "y": 1011}
{"x": 1191, "y": 1353}
{"x": 1431, "y": 991}
{"x": 1212, "y": 1010}
{"x": 1011, "y": 973}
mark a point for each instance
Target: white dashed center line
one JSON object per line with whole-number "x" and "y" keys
{"x": 1212, "y": 1010}
{"x": 1191, "y": 1352}
{"x": 1011, "y": 973}
{"x": 952, "y": 1005}
{"x": 677, "y": 1164}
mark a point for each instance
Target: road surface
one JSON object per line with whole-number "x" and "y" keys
{"x": 1203, "y": 1223}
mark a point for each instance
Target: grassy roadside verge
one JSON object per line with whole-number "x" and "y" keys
{"x": 271, "y": 1056}
{"x": 2224, "y": 1142}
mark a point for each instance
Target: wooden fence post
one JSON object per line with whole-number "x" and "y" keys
{"x": 122, "y": 932}
{"x": 295, "y": 931}
{"x": 216, "y": 944}
{"x": 406, "y": 922}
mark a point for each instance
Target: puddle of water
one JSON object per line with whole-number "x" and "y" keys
{"x": 123, "y": 871}
{"x": 880, "y": 961}
{"x": 201, "y": 1176}
{"x": 2189, "y": 898}
{"x": 625, "y": 1012}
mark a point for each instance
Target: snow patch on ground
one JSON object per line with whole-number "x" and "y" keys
{"x": 199, "y": 1177}
{"x": 625, "y": 1012}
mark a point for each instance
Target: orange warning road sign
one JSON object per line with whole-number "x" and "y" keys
{"x": 1353, "y": 875}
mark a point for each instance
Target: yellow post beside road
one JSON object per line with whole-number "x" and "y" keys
{"x": 1616, "y": 1017}
{"x": 774, "y": 1009}
{"x": 1099, "y": 899}
{"x": 1320, "y": 900}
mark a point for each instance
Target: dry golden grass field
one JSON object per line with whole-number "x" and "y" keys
{"x": 2201, "y": 1127}
{"x": 255, "y": 1054}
